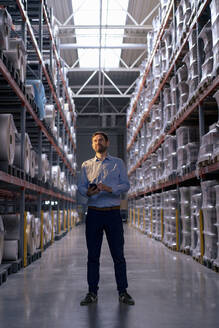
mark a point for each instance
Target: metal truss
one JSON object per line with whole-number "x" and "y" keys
{"x": 102, "y": 91}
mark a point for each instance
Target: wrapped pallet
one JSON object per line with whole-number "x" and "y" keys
{"x": 5, "y": 28}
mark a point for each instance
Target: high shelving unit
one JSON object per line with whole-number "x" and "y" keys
{"x": 199, "y": 110}
{"x": 19, "y": 192}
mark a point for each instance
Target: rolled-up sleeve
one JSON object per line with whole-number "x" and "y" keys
{"x": 123, "y": 185}
{"x": 83, "y": 182}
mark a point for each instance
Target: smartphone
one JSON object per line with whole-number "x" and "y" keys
{"x": 92, "y": 185}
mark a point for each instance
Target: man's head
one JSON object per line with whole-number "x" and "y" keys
{"x": 100, "y": 142}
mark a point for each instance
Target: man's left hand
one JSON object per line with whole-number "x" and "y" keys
{"x": 103, "y": 187}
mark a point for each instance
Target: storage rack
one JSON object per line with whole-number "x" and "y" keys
{"x": 19, "y": 192}
{"x": 195, "y": 109}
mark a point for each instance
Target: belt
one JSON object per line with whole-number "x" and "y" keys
{"x": 104, "y": 208}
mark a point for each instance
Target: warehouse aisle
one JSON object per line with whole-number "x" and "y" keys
{"x": 170, "y": 289}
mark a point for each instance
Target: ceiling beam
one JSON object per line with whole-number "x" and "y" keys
{"x": 106, "y": 27}
{"x": 106, "y": 69}
{"x": 101, "y": 96}
{"x": 132, "y": 46}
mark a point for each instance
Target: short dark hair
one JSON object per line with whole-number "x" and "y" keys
{"x": 102, "y": 134}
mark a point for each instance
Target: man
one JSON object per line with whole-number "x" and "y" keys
{"x": 103, "y": 179}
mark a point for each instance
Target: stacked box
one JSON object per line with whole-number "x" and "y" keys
{"x": 210, "y": 218}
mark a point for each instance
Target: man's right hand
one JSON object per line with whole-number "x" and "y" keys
{"x": 92, "y": 191}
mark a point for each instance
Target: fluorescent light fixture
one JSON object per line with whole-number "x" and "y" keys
{"x": 89, "y": 14}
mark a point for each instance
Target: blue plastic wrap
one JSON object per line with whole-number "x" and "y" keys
{"x": 39, "y": 97}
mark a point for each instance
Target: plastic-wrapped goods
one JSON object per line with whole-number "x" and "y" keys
{"x": 33, "y": 159}
{"x": 5, "y": 28}
{"x": 216, "y": 262}
{"x": 170, "y": 206}
{"x": 39, "y": 95}
{"x": 37, "y": 229}
{"x": 10, "y": 250}
{"x": 7, "y": 137}
{"x": 17, "y": 55}
{"x": 148, "y": 206}
{"x": 163, "y": 8}
{"x": 157, "y": 214}
{"x": 192, "y": 150}
{"x": 2, "y": 232}
{"x": 186, "y": 134}
{"x": 50, "y": 115}
{"x": 206, "y": 37}
{"x": 47, "y": 227}
{"x": 74, "y": 189}
{"x": 56, "y": 171}
{"x": 186, "y": 194}
{"x": 181, "y": 159}
{"x": 29, "y": 90}
{"x": 12, "y": 226}
{"x": 209, "y": 144}
{"x": 31, "y": 234}
{"x": 45, "y": 168}
{"x": 196, "y": 203}
{"x": 167, "y": 108}
{"x": 210, "y": 218}
{"x": 173, "y": 97}
{"x": 183, "y": 86}
{"x": 179, "y": 22}
{"x": 187, "y": 10}
{"x": 215, "y": 32}
{"x": 194, "y": 78}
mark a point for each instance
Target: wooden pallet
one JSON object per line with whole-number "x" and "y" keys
{"x": 32, "y": 258}
{"x": 5, "y": 271}
{"x": 15, "y": 265}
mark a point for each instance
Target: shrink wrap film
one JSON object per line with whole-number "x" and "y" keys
{"x": 56, "y": 171}
{"x": 12, "y": 226}
{"x": 1, "y": 239}
{"x": 31, "y": 234}
{"x": 50, "y": 115}
{"x": 37, "y": 235}
{"x": 5, "y": 28}
{"x": 33, "y": 159}
{"x": 7, "y": 138}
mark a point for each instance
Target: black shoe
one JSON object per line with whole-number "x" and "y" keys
{"x": 89, "y": 299}
{"x": 126, "y": 299}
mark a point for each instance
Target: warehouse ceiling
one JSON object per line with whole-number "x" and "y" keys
{"x": 102, "y": 43}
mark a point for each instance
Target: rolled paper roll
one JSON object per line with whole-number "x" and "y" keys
{"x": 7, "y": 137}
{"x": 12, "y": 226}
{"x": 10, "y": 250}
{"x": 1, "y": 239}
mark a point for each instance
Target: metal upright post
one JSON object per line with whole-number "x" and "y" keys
{"x": 22, "y": 200}
{"x": 200, "y": 107}
{"x": 40, "y": 36}
{"x": 50, "y": 164}
{"x": 39, "y": 202}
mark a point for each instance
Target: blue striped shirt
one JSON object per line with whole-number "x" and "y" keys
{"x": 111, "y": 172}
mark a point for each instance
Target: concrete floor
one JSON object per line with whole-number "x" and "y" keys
{"x": 170, "y": 289}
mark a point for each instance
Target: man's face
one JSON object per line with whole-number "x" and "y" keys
{"x": 99, "y": 144}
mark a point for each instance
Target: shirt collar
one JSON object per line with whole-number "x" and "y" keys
{"x": 108, "y": 157}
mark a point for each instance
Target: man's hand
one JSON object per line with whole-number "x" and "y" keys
{"x": 103, "y": 187}
{"x": 92, "y": 191}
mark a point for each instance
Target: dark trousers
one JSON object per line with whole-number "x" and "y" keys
{"x": 96, "y": 223}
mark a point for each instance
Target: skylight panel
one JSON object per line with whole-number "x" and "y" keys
{"x": 89, "y": 14}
